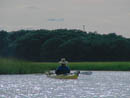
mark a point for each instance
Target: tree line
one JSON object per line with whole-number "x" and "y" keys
{"x": 75, "y": 45}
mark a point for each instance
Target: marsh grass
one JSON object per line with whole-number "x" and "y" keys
{"x": 102, "y": 66}
{"x": 14, "y": 66}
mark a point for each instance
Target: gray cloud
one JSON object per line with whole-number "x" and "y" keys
{"x": 104, "y": 16}
{"x": 32, "y": 7}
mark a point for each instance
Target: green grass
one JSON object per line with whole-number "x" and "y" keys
{"x": 13, "y": 66}
{"x": 101, "y": 66}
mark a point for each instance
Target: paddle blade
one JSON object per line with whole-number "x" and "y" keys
{"x": 86, "y": 72}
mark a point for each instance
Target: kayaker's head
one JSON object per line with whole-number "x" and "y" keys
{"x": 63, "y": 61}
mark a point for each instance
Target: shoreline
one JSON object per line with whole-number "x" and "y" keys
{"x": 12, "y": 66}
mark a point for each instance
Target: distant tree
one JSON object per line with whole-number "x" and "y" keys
{"x": 75, "y": 45}
{"x": 51, "y": 48}
{"x": 28, "y": 45}
{"x": 74, "y": 49}
{"x": 3, "y": 43}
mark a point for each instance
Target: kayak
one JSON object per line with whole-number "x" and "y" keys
{"x": 63, "y": 76}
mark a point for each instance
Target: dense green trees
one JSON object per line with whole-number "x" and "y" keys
{"x": 75, "y": 45}
{"x": 3, "y": 43}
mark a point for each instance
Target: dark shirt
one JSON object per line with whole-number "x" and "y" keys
{"x": 62, "y": 70}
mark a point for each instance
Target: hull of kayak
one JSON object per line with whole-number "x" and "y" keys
{"x": 70, "y": 76}
{"x": 62, "y": 76}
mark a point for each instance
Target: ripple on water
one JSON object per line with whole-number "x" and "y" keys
{"x": 97, "y": 85}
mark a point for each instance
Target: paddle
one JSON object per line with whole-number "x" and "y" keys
{"x": 79, "y": 72}
{"x": 86, "y": 72}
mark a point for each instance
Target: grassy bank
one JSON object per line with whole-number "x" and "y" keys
{"x": 13, "y": 66}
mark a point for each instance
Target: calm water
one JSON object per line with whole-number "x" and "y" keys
{"x": 98, "y": 85}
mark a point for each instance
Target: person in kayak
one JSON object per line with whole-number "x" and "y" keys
{"x": 63, "y": 68}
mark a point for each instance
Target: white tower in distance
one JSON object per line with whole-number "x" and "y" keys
{"x": 84, "y": 28}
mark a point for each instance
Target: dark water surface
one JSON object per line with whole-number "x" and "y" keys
{"x": 100, "y": 84}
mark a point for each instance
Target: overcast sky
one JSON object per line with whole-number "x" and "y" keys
{"x": 104, "y": 16}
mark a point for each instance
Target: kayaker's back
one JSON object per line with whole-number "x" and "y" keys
{"x": 62, "y": 70}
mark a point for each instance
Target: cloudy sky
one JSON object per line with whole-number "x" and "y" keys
{"x": 103, "y": 16}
